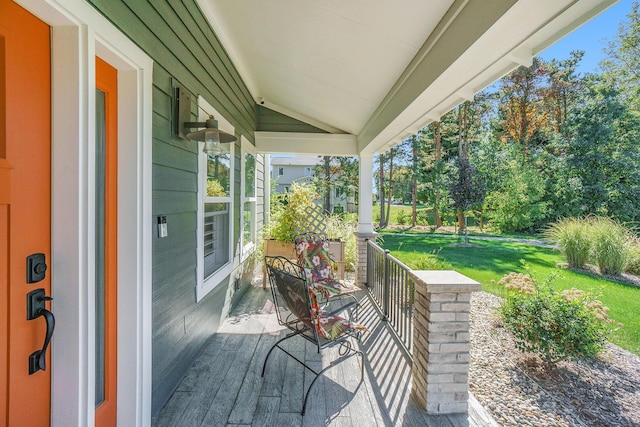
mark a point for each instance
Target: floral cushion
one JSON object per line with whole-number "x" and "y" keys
{"x": 330, "y": 287}
{"x": 313, "y": 255}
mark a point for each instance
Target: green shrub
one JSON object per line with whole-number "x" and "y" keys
{"x": 403, "y": 217}
{"x": 430, "y": 261}
{"x": 633, "y": 266}
{"x": 344, "y": 227}
{"x": 610, "y": 245}
{"x": 572, "y": 237}
{"x": 554, "y": 325}
{"x": 422, "y": 217}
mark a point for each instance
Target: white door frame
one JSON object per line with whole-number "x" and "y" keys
{"x": 79, "y": 33}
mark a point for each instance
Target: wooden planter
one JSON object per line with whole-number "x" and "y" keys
{"x": 288, "y": 250}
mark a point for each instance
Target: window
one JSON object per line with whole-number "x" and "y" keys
{"x": 248, "y": 186}
{"x": 307, "y": 171}
{"x": 339, "y": 192}
{"x": 280, "y": 171}
{"x": 215, "y": 210}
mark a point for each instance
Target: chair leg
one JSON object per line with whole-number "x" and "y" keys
{"x": 277, "y": 344}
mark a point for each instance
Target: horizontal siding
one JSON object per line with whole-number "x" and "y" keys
{"x": 268, "y": 120}
{"x": 186, "y": 52}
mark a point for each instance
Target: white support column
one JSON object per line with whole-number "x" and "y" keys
{"x": 365, "y": 216}
{"x": 365, "y": 195}
{"x": 267, "y": 190}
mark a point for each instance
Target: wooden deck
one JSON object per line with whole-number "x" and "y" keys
{"x": 224, "y": 386}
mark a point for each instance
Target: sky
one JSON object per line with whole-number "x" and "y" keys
{"x": 591, "y": 37}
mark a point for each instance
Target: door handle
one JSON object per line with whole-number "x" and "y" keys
{"x": 36, "y": 308}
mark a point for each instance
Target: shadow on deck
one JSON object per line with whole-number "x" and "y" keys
{"x": 224, "y": 386}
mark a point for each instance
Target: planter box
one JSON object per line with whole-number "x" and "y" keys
{"x": 288, "y": 250}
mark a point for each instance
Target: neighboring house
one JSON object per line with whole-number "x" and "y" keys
{"x": 302, "y": 169}
{"x": 148, "y": 242}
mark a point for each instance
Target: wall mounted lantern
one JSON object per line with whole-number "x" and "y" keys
{"x": 212, "y": 137}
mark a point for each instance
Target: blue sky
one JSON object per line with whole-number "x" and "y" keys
{"x": 591, "y": 37}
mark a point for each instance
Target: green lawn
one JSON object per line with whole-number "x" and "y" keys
{"x": 487, "y": 261}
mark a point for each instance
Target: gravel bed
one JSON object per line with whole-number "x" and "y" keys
{"x": 517, "y": 390}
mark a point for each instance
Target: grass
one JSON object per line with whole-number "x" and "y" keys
{"x": 487, "y": 261}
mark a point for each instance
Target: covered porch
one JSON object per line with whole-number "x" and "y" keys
{"x": 224, "y": 385}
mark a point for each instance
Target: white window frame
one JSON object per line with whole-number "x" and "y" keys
{"x": 207, "y": 284}
{"x": 280, "y": 170}
{"x": 248, "y": 247}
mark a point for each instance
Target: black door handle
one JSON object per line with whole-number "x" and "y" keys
{"x": 35, "y": 308}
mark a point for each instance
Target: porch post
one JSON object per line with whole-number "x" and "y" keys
{"x": 365, "y": 215}
{"x": 440, "y": 372}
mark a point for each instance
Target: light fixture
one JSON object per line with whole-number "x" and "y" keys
{"x": 210, "y": 135}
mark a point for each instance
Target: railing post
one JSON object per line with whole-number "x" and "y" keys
{"x": 386, "y": 299}
{"x": 441, "y": 340}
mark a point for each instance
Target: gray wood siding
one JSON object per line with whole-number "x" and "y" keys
{"x": 186, "y": 52}
{"x": 268, "y": 120}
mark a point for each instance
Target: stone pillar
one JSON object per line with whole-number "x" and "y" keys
{"x": 441, "y": 337}
{"x": 361, "y": 257}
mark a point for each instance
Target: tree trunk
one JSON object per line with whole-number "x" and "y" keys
{"x": 461, "y": 221}
{"x": 437, "y": 139}
{"x": 414, "y": 183}
{"x": 466, "y": 231}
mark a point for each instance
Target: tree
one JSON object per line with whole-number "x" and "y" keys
{"x": 336, "y": 173}
{"x": 467, "y": 191}
{"x": 564, "y": 88}
{"x": 603, "y": 154}
{"x": 522, "y": 105}
{"x": 622, "y": 67}
{"x": 517, "y": 203}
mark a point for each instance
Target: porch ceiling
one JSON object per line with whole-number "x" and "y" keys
{"x": 379, "y": 69}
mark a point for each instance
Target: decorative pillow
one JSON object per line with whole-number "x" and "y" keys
{"x": 331, "y": 327}
{"x": 330, "y": 287}
{"x": 314, "y": 257}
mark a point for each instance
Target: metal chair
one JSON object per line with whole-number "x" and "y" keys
{"x": 297, "y": 309}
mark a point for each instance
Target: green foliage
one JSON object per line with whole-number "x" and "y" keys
{"x": 215, "y": 189}
{"x": 422, "y": 217}
{"x": 430, "y": 261}
{"x": 290, "y": 210}
{"x": 572, "y": 236}
{"x": 633, "y": 266}
{"x": 344, "y": 227}
{"x": 403, "y": 217}
{"x": 553, "y": 325}
{"x": 611, "y": 242}
{"x": 517, "y": 205}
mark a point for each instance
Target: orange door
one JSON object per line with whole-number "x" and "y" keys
{"x": 25, "y": 189}
{"x": 106, "y": 242}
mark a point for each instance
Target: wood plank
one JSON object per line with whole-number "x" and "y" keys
{"x": 266, "y": 411}
{"x": 232, "y": 380}
{"x": 316, "y": 412}
{"x": 206, "y": 386}
{"x": 244, "y": 407}
{"x": 293, "y": 385}
{"x": 173, "y": 410}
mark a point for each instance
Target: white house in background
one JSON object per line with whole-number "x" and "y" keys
{"x": 301, "y": 169}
